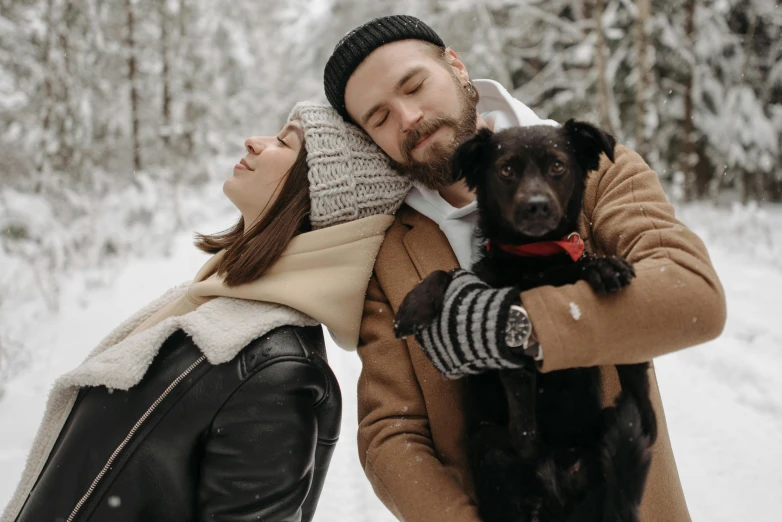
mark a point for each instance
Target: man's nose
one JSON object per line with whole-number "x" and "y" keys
{"x": 255, "y": 144}
{"x": 409, "y": 116}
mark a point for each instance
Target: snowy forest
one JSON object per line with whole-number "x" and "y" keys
{"x": 119, "y": 122}
{"x": 115, "y": 115}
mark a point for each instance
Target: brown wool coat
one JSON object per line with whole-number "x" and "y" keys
{"x": 411, "y": 436}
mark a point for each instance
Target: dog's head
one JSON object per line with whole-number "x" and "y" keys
{"x": 530, "y": 180}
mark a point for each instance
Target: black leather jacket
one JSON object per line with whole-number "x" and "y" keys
{"x": 250, "y": 439}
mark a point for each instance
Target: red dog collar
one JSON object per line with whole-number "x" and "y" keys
{"x": 572, "y": 245}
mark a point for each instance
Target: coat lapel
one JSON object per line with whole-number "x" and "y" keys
{"x": 426, "y": 244}
{"x": 429, "y": 250}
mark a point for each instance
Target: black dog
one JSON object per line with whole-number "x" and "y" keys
{"x": 541, "y": 445}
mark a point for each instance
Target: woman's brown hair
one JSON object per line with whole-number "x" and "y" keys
{"x": 248, "y": 256}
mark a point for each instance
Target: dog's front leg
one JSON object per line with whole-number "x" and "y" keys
{"x": 634, "y": 379}
{"x": 520, "y": 391}
{"x": 422, "y": 305}
{"x": 605, "y": 274}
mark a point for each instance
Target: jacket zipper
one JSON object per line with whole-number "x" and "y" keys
{"x": 129, "y": 436}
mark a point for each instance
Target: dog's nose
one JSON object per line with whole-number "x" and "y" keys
{"x": 537, "y": 207}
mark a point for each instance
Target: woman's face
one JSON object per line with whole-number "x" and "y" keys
{"x": 258, "y": 177}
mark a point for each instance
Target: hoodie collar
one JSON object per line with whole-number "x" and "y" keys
{"x": 498, "y": 106}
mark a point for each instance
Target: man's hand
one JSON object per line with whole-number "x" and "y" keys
{"x": 460, "y": 321}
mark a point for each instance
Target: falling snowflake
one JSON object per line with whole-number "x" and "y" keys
{"x": 575, "y": 311}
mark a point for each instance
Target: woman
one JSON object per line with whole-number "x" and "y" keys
{"x": 216, "y": 402}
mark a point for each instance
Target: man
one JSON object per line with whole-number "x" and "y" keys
{"x": 395, "y": 78}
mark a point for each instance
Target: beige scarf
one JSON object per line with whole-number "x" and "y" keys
{"x": 323, "y": 274}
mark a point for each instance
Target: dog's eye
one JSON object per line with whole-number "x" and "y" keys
{"x": 506, "y": 171}
{"x": 557, "y": 167}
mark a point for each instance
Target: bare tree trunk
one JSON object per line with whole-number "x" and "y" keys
{"x": 70, "y": 156}
{"x": 43, "y": 161}
{"x": 60, "y": 143}
{"x": 743, "y": 183}
{"x": 750, "y": 185}
{"x": 133, "y": 88}
{"x": 63, "y": 35}
{"x": 642, "y": 86}
{"x": 187, "y": 137}
{"x": 690, "y": 183}
{"x": 164, "y": 52}
{"x": 753, "y": 23}
{"x": 602, "y": 85}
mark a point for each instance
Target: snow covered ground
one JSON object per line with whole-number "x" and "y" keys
{"x": 723, "y": 400}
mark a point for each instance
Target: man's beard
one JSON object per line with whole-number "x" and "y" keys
{"x": 435, "y": 171}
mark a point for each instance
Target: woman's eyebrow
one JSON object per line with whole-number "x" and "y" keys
{"x": 296, "y": 128}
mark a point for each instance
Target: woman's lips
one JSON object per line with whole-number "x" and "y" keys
{"x": 242, "y": 165}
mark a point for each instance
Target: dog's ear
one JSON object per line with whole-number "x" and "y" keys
{"x": 470, "y": 156}
{"x": 588, "y": 142}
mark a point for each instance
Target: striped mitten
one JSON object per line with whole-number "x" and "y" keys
{"x": 468, "y": 337}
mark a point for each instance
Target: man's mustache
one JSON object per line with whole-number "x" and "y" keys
{"x": 423, "y": 130}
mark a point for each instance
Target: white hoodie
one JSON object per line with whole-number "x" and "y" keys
{"x": 500, "y": 111}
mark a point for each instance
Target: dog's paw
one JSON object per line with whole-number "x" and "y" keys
{"x": 608, "y": 274}
{"x": 422, "y": 305}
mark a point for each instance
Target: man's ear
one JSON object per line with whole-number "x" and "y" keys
{"x": 588, "y": 142}
{"x": 471, "y": 157}
{"x": 452, "y": 59}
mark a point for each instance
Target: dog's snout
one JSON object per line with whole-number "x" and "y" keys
{"x": 537, "y": 207}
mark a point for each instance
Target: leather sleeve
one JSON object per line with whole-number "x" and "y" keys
{"x": 394, "y": 438}
{"x": 259, "y": 454}
{"x": 675, "y": 301}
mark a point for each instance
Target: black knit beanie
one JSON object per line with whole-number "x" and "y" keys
{"x": 360, "y": 42}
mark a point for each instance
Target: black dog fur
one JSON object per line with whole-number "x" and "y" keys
{"x": 541, "y": 446}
